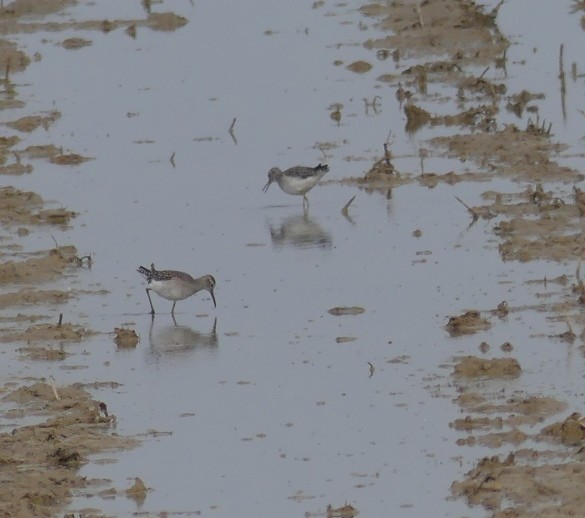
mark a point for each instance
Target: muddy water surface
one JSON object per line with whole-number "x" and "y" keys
{"x": 269, "y": 403}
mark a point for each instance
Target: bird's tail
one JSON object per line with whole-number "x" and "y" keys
{"x": 322, "y": 167}
{"x": 145, "y": 271}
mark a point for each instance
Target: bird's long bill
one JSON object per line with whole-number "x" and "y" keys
{"x": 267, "y": 185}
{"x": 213, "y": 298}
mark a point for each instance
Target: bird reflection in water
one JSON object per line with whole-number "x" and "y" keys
{"x": 179, "y": 340}
{"x": 300, "y": 231}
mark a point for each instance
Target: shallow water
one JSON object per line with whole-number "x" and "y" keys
{"x": 269, "y": 414}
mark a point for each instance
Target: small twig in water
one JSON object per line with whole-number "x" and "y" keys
{"x": 344, "y": 211}
{"x": 173, "y": 159}
{"x": 422, "y": 154}
{"x": 7, "y": 71}
{"x": 578, "y": 271}
{"x": 231, "y": 131}
{"x": 60, "y": 320}
{"x": 563, "y": 86}
{"x": 494, "y": 13}
{"x": 55, "y": 393}
{"x": 474, "y": 213}
{"x": 388, "y": 154}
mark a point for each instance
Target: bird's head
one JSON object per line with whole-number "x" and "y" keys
{"x": 273, "y": 175}
{"x": 209, "y": 285}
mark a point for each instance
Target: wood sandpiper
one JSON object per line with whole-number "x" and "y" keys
{"x": 297, "y": 180}
{"x": 174, "y": 285}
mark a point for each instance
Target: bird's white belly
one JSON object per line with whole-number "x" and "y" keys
{"x": 171, "y": 290}
{"x": 292, "y": 185}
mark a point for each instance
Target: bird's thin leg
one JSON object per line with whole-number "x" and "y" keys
{"x": 305, "y": 202}
{"x": 214, "y": 330}
{"x": 150, "y": 330}
{"x": 173, "y": 310}
{"x": 151, "y": 306}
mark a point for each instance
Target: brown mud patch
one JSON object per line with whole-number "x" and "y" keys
{"x": 40, "y": 462}
{"x": 32, "y": 122}
{"x": 345, "y": 511}
{"x": 421, "y": 29}
{"x": 473, "y": 367}
{"x": 75, "y": 43}
{"x": 467, "y": 323}
{"x": 516, "y": 487}
{"x": 68, "y": 159}
{"x": 155, "y": 21}
{"x": 25, "y": 297}
{"x": 27, "y": 208}
{"x": 42, "y": 353}
{"x": 126, "y": 338}
{"x": 525, "y": 482}
{"x": 44, "y": 266}
{"x": 46, "y": 332}
{"x": 346, "y": 310}
{"x": 510, "y": 152}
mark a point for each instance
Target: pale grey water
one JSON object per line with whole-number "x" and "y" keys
{"x": 285, "y": 420}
